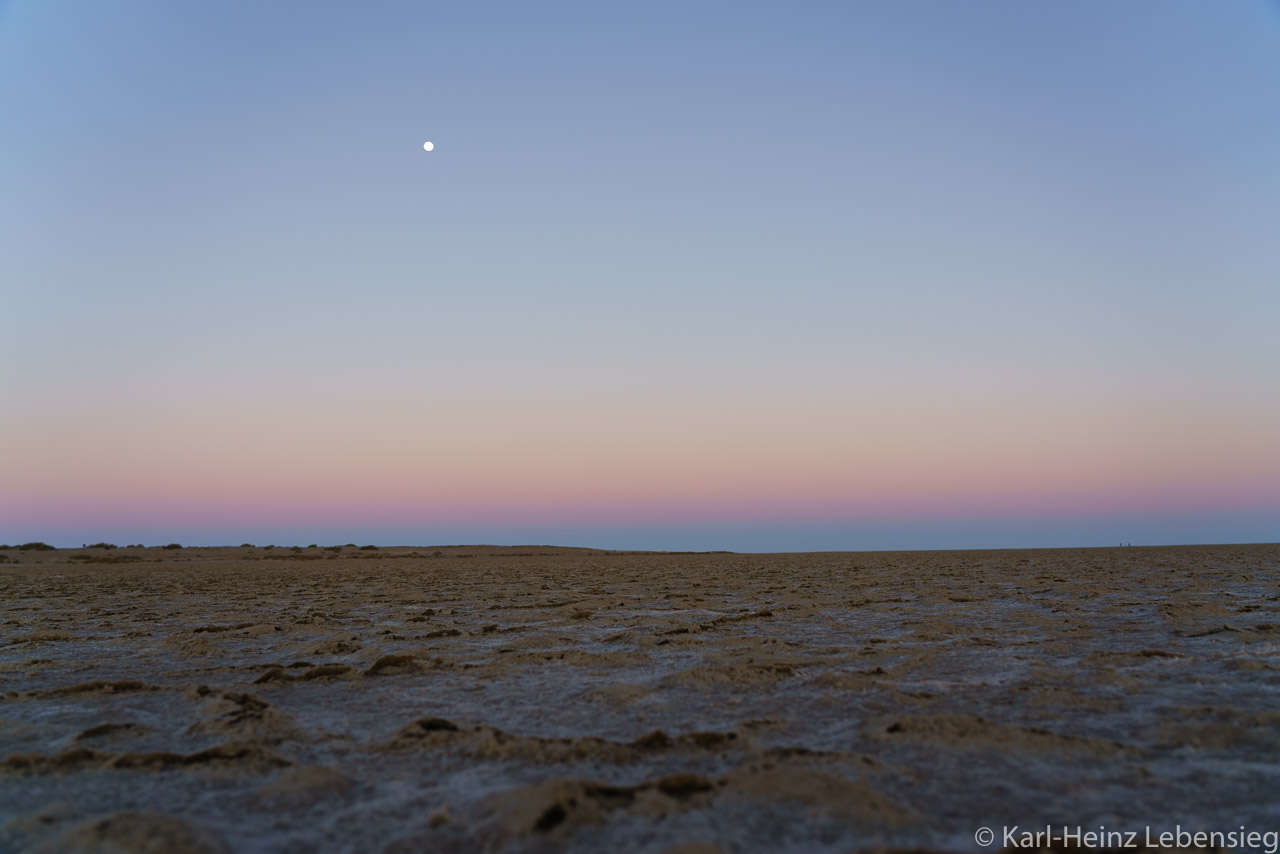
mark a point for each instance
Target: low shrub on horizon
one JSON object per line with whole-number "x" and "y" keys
{"x": 102, "y": 546}
{"x": 35, "y": 547}
{"x": 172, "y": 546}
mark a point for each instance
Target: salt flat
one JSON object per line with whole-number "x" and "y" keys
{"x": 538, "y": 699}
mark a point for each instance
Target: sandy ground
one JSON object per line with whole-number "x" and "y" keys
{"x": 468, "y": 699}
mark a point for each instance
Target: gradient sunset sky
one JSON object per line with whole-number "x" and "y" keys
{"x": 677, "y": 275}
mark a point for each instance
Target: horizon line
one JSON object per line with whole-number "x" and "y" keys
{"x": 42, "y": 546}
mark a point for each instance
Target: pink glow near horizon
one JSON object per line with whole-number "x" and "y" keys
{"x": 553, "y": 462}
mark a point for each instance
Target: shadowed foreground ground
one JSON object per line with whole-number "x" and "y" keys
{"x": 532, "y": 700}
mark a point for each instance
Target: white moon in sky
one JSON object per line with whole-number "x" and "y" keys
{"x": 427, "y": 146}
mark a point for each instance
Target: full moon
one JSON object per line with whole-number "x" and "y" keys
{"x": 427, "y": 146}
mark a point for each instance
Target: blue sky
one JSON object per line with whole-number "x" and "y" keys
{"x": 1035, "y": 210}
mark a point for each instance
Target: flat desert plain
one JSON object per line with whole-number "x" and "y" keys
{"x": 537, "y": 699}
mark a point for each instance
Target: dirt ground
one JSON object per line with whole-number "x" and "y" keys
{"x": 532, "y": 699}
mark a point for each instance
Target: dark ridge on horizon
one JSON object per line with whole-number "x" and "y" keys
{"x": 545, "y": 549}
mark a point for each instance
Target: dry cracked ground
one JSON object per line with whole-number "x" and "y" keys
{"x": 482, "y": 699}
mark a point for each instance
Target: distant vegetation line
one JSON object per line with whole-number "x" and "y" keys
{"x": 112, "y": 553}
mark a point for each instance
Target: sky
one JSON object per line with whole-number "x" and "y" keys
{"x": 716, "y": 275}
